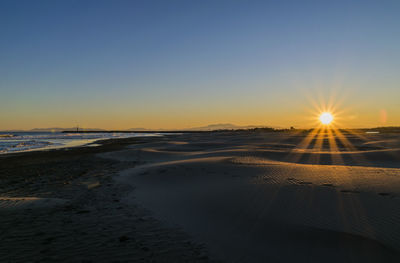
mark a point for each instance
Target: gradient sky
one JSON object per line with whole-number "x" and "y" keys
{"x": 178, "y": 64}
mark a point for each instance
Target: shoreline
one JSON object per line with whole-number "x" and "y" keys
{"x": 64, "y": 205}
{"x": 64, "y": 143}
{"x": 104, "y": 144}
{"x": 200, "y": 197}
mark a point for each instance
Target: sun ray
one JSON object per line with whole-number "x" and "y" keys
{"x": 315, "y": 156}
{"x": 336, "y": 156}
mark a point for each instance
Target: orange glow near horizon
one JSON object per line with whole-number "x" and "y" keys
{"x": 328, "y": 137}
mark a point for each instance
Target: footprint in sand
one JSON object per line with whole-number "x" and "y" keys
{"x": 350, "y": 191}
{"x": 328, "y": 185}
{"x": 83, "y": 212}
{"x": 123, "y": 239}
{"x": 304, "y": 183}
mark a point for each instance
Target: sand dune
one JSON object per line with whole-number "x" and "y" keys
{"x": 252, "y": 201}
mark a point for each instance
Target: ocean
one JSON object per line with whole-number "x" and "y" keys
{"x": 11, "y": 142}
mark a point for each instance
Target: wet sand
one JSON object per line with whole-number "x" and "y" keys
{"x": 65, "y": 206}
{"x": 226, "y": 196}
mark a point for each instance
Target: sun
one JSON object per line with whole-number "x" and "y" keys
{"x": 326, "y": 118}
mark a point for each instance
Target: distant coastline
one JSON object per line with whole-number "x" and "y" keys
{"x": 394, "y": 129}
{"x": 208, "y": 128}
{"x": 12, "y": 142}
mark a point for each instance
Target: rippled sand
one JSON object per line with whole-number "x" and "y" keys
{"x": 257, "y": 197}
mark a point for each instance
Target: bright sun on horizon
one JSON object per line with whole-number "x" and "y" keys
{"x": 326, "y": 118}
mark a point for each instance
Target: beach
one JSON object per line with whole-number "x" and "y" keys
{"x": 205, "y": 197}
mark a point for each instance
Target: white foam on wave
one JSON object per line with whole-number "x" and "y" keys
{"x": 19, "y": 142}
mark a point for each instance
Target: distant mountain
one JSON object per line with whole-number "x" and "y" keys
{"x": 139, "y": 129}
{"x": 223, "y": 126}
{"x": 12, "y": 131}
{"x": 49, "y": 129}
{"x": 211, "y": 127}
{"x": 85, "y": 129}
{"x": 56, "y": 129}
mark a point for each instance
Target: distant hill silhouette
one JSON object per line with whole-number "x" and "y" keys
{"x": 211, "y": 127}
{"x": 223, "y": 126}
{"x": 56, "y": 129}
{"x": 138, "y": 129}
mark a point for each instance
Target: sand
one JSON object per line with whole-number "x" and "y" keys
{"x": 65, "y": 206}
{"x": 226, "y": 196}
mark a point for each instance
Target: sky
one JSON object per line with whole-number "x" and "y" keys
{"x": 180, "y": 64}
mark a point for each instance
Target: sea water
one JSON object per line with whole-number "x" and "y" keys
{"x": 27, "y": 141}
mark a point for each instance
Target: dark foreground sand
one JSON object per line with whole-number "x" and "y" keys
{"x": 231, "y": 197}
{"x": 65, "y": 206}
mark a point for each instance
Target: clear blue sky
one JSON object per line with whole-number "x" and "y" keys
{"x": 176, "y": 64}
